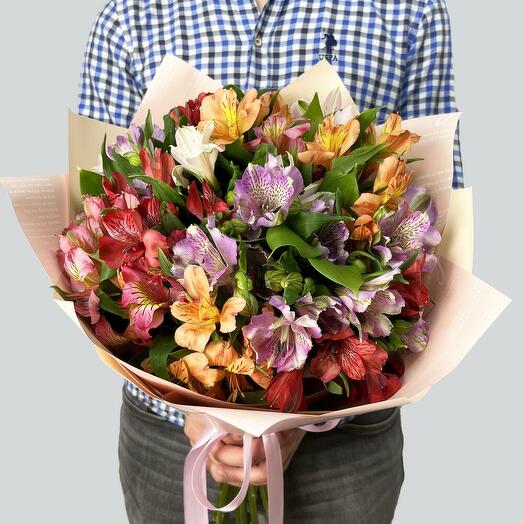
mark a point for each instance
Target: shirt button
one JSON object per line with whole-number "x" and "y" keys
{"x": 258, "y": 41}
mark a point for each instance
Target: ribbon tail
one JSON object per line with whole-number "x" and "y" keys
{"x": 275, "y": 478}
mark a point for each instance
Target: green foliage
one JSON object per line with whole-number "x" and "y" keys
{"x": 162, "y": 346}
{"x": 90, "y": 182}
{"x": 315, "y": 116}
{"x": 305, "y": 224}
{"x": 345, "y": 275}
{"x": 161, "y": 190}
{"x": 282, "y": 236}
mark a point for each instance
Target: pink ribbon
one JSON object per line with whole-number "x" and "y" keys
{"x": 196, "y": 503}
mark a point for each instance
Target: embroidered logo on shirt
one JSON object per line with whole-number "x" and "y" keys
{"x": 330, "y": 43}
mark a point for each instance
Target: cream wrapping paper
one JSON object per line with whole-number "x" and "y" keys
{"x": 465, "y": 306}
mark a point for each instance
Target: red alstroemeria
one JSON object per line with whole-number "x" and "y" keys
{"x": 194, "y": 203}
{"x": 286, "y": 391}
{"x": 160, "y": 167}
{"x": 344, "y": 351}
{"x": 212, "y": 204}
{"x": 119, "y": 193}
{"x": 123, "y": 242}
{"x": 149, "y": 210}
{"x": 191, "y": 111}
{"x": 415, "y": 294}
{"x": 375, "y": 388}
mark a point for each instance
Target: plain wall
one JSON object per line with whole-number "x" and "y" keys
{"x": 58, "y": 437}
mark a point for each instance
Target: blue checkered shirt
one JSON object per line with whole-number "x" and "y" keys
{"x": 395, "y": 54}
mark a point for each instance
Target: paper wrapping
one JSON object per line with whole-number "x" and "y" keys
{"x": 465, "y": 306}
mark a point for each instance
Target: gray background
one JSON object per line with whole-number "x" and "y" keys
{"x": 58, "y": 449}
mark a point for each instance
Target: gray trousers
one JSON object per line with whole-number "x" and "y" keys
{"x": 350, "y": 475}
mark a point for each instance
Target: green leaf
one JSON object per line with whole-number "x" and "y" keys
{"x": 122, "y": 165}
{"x": 409, "y": 261}
{"x": 281, "y": 236}
{"x": 168, "y": 220}
{"x": 63, "y": 294}
{"x": 334, "y": 388}
{"x": 262, "y": 152}
{"x": 315, "y": 116}
{"x": 162, "y": 345}
{"x": 366, "y": 118}
{"x": 107, "y": 164}
{"x": 345, "y": 186}
{"x": 106, "y": 273}
{"x": 109, "y": 305}
{"x": 148, "y": 128}
{"x": 165, "y": 263}
{"x": 90, "y": 182}
{"x": 169, "y": 130}
{"x": 305, "y": 224}
{"x": 356, "y": 158}
{"x": 162, "y": 191}
{"x": 347, "y": 276}
{"x": 345, "y": 380}
{"x": 237, "y": 151}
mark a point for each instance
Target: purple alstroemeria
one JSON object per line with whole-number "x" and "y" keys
{"x": 375, "y": 320}
{"x": 407, "y": 231}
{"x": 356, "y": 305}
{"x": 264, "y": 193}
{"x": 329, "y": 312}
{"x": 417, "y": 337}
{"x": 282, "y": 341}
{"x": 331, "y": 242}
{"x": 315, "y": 201}
{"x": 218, "y": 256}
{"x": 129, "y": 143}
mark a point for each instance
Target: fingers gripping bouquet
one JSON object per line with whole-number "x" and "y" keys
{"x": 251, "y": 255}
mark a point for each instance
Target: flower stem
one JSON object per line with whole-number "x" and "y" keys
{"x": 252, "y": 495}
{"x": 222, "y": 499}
{"x": 263, "y": 496}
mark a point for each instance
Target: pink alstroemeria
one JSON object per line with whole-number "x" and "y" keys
{"x": 147, "y": 303}
{"x": 108, "y": 336}
{"x": 84, "y": 279}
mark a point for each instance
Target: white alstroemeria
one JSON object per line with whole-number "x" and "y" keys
{"x": 196, "y": 153}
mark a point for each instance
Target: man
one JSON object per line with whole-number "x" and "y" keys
{"x": 395, "y": 54}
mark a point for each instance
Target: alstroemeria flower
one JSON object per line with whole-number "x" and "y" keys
{"x": 346, "y": 352}
{"x": 264, "y": 193}
{"x": 84, "y": 279}
{"x": 147, "y": 303}
{"x": 331, "y": 241}
{"x": 331, "y": 141}
{"x": 119, "y": 193}
{"x": 108, "y": 336}
{"x": 191, "y": 111}
{"x": 415, "y": 293}
{"x": 282, "y": 342}
{"x": 195, "y": 152}
{"x": 385, "y": 302}
{"x": 84, "y": 235}
{"x": 416, "y": 339}
{"x": 315, "y": 201}
{"x": 364, "y": 229}
{"x": 236, "y": 367}
{"x": 399, "y": 141}
{"x": 286, "y": 391}
{"x": 218, "y": 256}
{"x": 280, "y": 131}
{"x": 230, "y": 118}
{"x": 407, "y": 231}
{"x": 195, "y": 367}
{"x": 161, "y": 166}
{"x": 199, "y": 314}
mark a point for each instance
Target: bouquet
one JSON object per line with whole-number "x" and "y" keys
{"x": 268, "y": 259}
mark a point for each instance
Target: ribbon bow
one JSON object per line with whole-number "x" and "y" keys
{"x": 196, "y": 503}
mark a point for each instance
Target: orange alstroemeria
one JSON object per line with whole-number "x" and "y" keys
{"x": 236, "y": 367}
{"x": 367, "y": 204}
{"x": 399, "y": 141}
{"x": 364, "y": 229}
{"x": 230, "y": 117}
{"x": 392, "y": 181}
{"x": 331, "y": 141}
{"x": 199, "y": 314}
{"x": 195, "y": 367}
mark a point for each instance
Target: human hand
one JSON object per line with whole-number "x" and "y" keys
{"x": 225, "y": 461}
